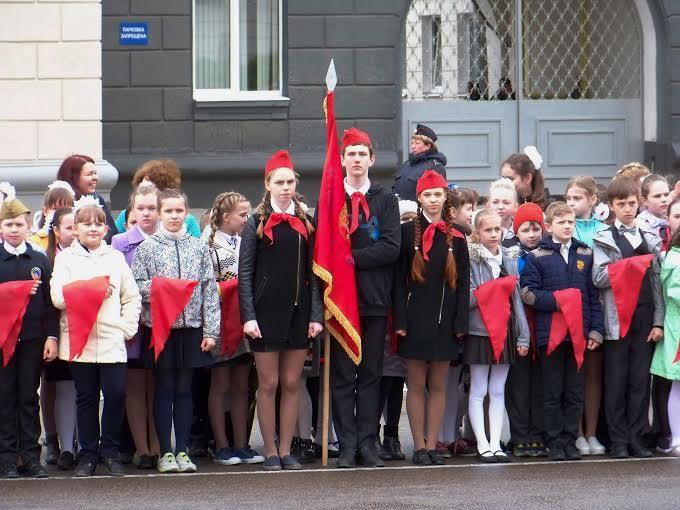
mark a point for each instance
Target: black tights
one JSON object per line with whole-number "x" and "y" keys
{"x": 391, "y": 398}
{"x": 172, "y": 402}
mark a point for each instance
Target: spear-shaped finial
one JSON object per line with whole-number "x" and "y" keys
{"x": 331, "y": 77}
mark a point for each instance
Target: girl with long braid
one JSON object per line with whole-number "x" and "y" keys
{"x": 280, "y": 303}
{"x": 229, "y": 374}
{"x": 430, "y": 309}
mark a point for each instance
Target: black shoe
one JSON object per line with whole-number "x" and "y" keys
{"x": 9, "y": 471}
{"x": 571, "y": 452}
{"x": 198, "y": 447}
{"x": 52, "y": 449}
{"x": 639, "y": 452}
{"x": 125, "y": 457}
{"x": 346, "y": 459}
{"x": 382, "y": 452}
{"x": 422, "y": 457}
{"x": 145, "y": 462}
{"x": 502, "y": 457}
{"x": 487, "y": 457}
{"x": 67, "y": 461}
{"x": 619, "y": 451}
{"x": 86, "y": 467}
{"x": 436, "y": 458}
{"x": 557, "y": 453}
{"x": 392, "y": 445}
{"x": 305, "y": 452}
{"x": 113, "y": 466}
{"x": 538, "y": 449}
{"x": 368, "y": 458}
{"x": 33, "y": 469}
{"x": 521, "y": 450}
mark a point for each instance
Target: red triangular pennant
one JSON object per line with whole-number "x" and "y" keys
{"x": 83, "y": 300}
{"x": 493, "y": 300}
{"x": 14, "y": 298}
{"x": 169, "y": 296}
{"x": 231, "y": 330}
{"x": 626, "y": 277}
{"x": 570, "y": 303}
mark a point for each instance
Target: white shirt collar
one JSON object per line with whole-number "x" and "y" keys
{"x": 635, "y": 239}
{"x": 19, "y": 250}
{"x": 486, "y": 253}
{"x": 363, "y": 189}
{"x": 227, "y": 240}
{"x": 290, "y": 210}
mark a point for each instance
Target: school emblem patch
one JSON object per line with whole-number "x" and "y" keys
{"x": 580, "y": 265}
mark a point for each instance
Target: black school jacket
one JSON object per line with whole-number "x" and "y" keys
{"x": 41, "y": 317}
{"x": 432, "y": 310}
{"x": 276, "y": 285}
{"x": 375, "y": 248}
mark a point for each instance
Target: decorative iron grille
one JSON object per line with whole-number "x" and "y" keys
{"x": 571, "y": 49}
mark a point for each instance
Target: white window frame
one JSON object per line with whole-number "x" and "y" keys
{"x": 235, "y": 94}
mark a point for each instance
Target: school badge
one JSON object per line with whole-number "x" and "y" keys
{"x": 580, "y": 265}
{"x": 36, "y": 273}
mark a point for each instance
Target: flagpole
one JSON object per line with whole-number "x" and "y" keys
{"x": 331, "y": 81}
{"x": 326, "y": 396}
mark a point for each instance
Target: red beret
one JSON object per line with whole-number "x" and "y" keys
{"x": 430, "y": 180}
{"x": 280, "y": 159}
{"x": 527, "y": 212}
{"x": 354, "y": 136}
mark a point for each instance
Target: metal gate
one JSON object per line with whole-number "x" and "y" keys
{"x": 579, "y": 76}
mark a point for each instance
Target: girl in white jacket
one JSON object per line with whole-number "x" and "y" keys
{"x": 102, "y": 363}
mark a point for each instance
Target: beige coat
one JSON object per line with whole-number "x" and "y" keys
{"x": 118, "y": 317}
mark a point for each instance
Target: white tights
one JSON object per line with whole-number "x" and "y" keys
{"x": 65, "y": 414}
{"x": 674, "y": 413}
{"x": 491, "y": 379}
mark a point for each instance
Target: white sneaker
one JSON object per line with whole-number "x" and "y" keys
{"x": 168, "y": 464}
{"x": 582, "y": 446}
{"x": 185, "y": 464}
{"x": 596, "y": 447}
{"x": 675, "y": 452}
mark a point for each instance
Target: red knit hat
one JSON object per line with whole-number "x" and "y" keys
{"x": 280, "y": 159}
{"x": 430, "y": 180}
{"x": 354, "y": 136}
{"x": 528, "y": 212}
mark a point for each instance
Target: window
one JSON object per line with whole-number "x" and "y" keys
{"x": 237, "y": 50}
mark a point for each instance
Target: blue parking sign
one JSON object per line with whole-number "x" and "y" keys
{"x": 133, "y": 34}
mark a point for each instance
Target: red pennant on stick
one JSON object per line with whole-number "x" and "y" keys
{"x": 169, "y": 296}
{"x": 83, "y": 300}
{"x": 493, "y": 299}
{"x": 570, "y": 303}
{"x": 231, "y": 330}
{"x": 14, "y": 298}
{"x": 626, "y": 277}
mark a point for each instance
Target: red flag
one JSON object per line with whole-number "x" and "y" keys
{"x": 14, "y": 298}
{"x": 333, "y": 261}
{"x": 493, "y": 300}
{"x": 626, "y": 277}
{"x": 570, "y": 303}
{"x": 677, "y": 355}
{"x": 169, "y": 296}
{"x": 231, "y": 331}
{"x": 83, "y": 300}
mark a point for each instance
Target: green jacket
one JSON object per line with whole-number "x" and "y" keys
{"x": 667, "y": 348}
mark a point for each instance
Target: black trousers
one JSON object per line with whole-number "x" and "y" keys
{"x": 627, "y": 380}
{"x": 562, "y": 395}
{"x": 524, "y": 400}
{"x": 19, "y": 403}
{"x": 355, "y": 390}
{"x": 89, "y": 379}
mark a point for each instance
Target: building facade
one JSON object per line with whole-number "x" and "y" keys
{"x": 218, "y": 85}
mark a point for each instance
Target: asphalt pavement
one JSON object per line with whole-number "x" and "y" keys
{"x": 599, "y": 483}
